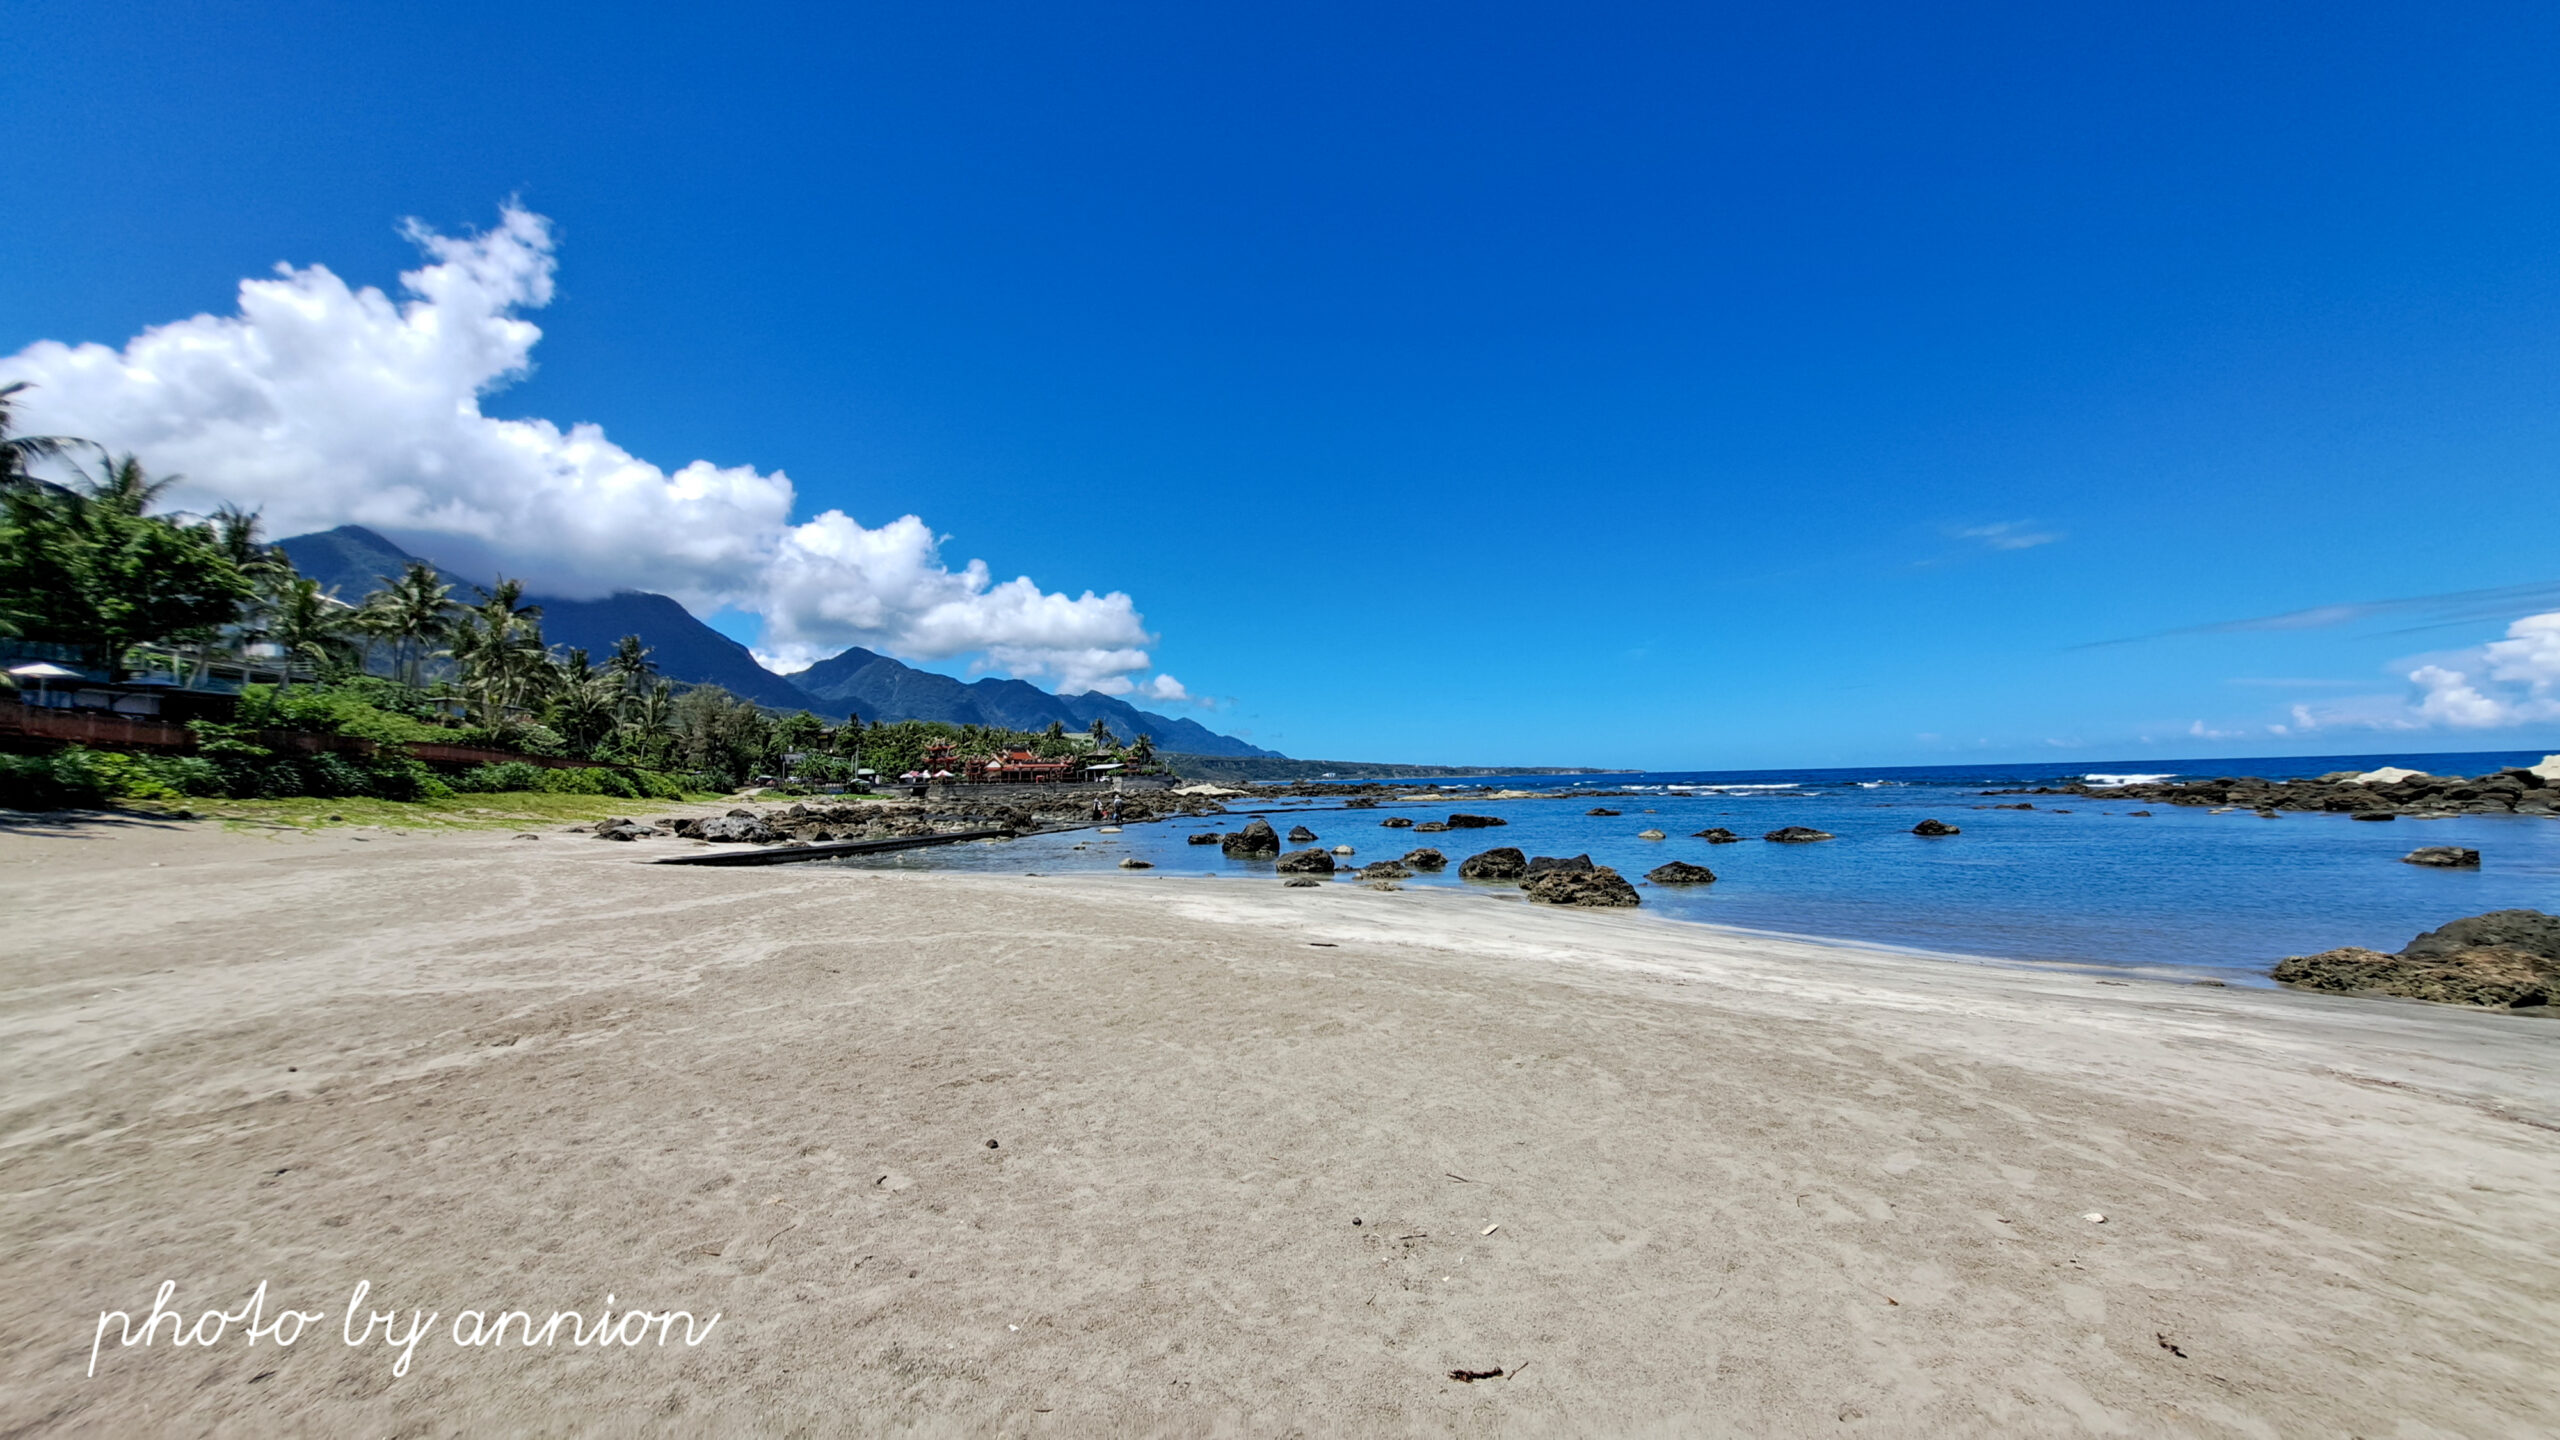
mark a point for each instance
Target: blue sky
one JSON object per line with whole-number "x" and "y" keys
{"x": 1668, "y": 386}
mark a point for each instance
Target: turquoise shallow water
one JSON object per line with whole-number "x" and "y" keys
{"x": 2072, "y": 881}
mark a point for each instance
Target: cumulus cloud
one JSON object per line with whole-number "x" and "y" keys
{"x": 323, "y": 403}
{"x": 2505, "y": 683}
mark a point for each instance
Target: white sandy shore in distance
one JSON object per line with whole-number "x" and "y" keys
{"x": 1743, "y": 1184}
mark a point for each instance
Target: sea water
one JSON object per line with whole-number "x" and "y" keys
{"x": 2074, "y": 880}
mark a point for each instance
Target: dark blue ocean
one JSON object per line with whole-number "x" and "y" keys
{"x": 2071, "y": 881}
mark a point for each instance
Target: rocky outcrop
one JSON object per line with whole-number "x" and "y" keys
{"x": 623, "y": 830}
{"x": 1207, "y": 837}
{"x": 2443, "y": 857}
{"x": 1301, "y": 835}
{"x": 737, "y": 827}
{"x": 1255, "y": 841}
{"x": 2520, "y": 790}
{"x": 1396, "y": 822}
{"x": 1680, "y": 872}
{"x": 1385, "y": 870}
{"x": 1504, "y": 863}
{"x": 1935, "y": 827}
{"x": 1305, "y": 862}
{"x": 1475, "y": 822}
{"x": 1430, "y": 827}
{"x": 2506, "y": 959}
{"x": 1718, "y": 835}
{"x": 1598, "y": 887}
{"x": 1599, "y": 810}
{"x": 1426, "y": 859}
{"x": 1540, "y": 865}
{"x": 1797, "y": 835}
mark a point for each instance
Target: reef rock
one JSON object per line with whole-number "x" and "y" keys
{"x": 1599, "y": 887}
{"x": 1475, "y": 822}
{"x": 2506, "y": 959}
{"x": 1718, "y": 835}
{"x": 737, "y": 827}
{"x": 1504, "y": 863}
{"x": 1306, "y": 862}
{"x": 1430, "y": 827}
{"x": 1797, "y": 835}
{"x": 1935, "y": 827}
{"x": 1207, "y": 837}
{"x": 1301, "y": 835}
{"x": 1385, "y": 870}
{"x": 1540, "y": 865}
{"x": 2443, "y": 857}
{"x": 1426, "y": 859}
{"x": 1253, "y": 841}
{"x": 1680, "y": 872}
{"x": 1599, "y": 810}
{"x": 1396, "y": 822}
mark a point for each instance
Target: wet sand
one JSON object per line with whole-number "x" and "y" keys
{"x": 1679, "y": 1180}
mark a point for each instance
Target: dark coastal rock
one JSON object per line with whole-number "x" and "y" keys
{"x": 1426, "y": 859}
{"x": 1504, "y": 863}
{"x": 1599, "y": 888}
{"x": 1540, "y": 865}
{"x": 1254, "y": 841}
{"x": 624, "y": 830}
{"x": 2363, "y": 815}
{"x": 1207, "y": 837}
{"x": 2527, "y": 930}
{"x": 1385, "y": 870}
{"x": 1718, "y": 835}
{"x": 1396, "y": 822}
{"x": 1134, "y": 863}
{"x": 1797, "y": 835}
{"x": 1301, "y": 835}
{"x": 2443, "y": 857}
{"x": 1935, "y": 827}
{"x": 1599, "y": 810}
{"x": 1361, "y": 802}
{"x": 737, "y": 827}
{"x": 2506, "y": 959}
{"x": 1306, "y": 862}
{"x": 2490, "y": 976}
{"x": 1680, "y": 872}
{"x": 2013, "y": 807}
{"x": 1475, "y": 822}
{"x": 1301, "y": 882}
{"x": 1430, "y": 827}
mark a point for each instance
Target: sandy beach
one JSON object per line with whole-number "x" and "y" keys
{"x": 1265, "y": 1161}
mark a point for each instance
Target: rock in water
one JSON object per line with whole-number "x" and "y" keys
{"x": 2528, "y": 930}
{"x": 1540, "y": 865}
{"x": 1134, "y": 863}
{"x": 1206, "y": 837}
{"x": 1385, "y": 870}
{"x": 1599, "y": 810}
{"x": 2443, "y": 857}
{"x": 1430, "y": 827}
{"x": 1396, "y": 822}
{"x": 1475, "y": 822}
{"x": 1718, "y": 835}
{"x": 1935, "y": 827}
{"x": 1599, "y": 887}
{"x": 1301, "y": 881}
{"x": 1651, "y": 835}
{"x": 2373, "y": 815}
{"x": 1797, "y": 835}
{"x": 1301, "y": 835}
{"x": 1680, "y": 872}
{"x": 1501, "y": 864}
{"x": 1426, "y": 859}
{"x": 1306, "y": 862}
{"x": 1254, "y": 841}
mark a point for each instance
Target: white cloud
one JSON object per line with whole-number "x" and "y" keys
{"x": 2010, "y": 535}
{"x": 325, "y": 404}
{"x": 2505, "y": 683}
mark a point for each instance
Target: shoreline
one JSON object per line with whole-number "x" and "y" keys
{"x": 1738, "y": 1182}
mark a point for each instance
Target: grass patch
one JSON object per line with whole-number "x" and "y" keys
{"x": 494, "y": 810}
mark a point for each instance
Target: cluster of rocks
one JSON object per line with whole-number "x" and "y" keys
{"x": 1552, "y": 881}
{"x": 2520, "y": 790}
{"x": 804, "y": 823}
{"x": 2506, "y": 959}
{"x": 1325, "y": 862}
{"x": 1796, "y": 835}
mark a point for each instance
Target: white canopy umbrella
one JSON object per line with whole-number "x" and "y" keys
{"x": 41, "y": 671}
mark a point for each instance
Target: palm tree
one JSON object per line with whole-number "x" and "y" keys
{"x": 413, "y": 611}
{"x": 17, "y": 452}
{"x": 584, "y": 700}
{"x": 1103, "y": 739}
{"x": 497, "y": 645}
{"x": 309, "y": 625}
{"x": 629, "y": 664}
{"x": 121, "y": 486}
{"x": 1143, "y": 749}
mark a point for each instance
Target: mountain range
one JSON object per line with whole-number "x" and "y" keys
{"x": 350, "y": 562}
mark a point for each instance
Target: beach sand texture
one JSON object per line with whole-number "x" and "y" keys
{"x": 1742, "y": 1184}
